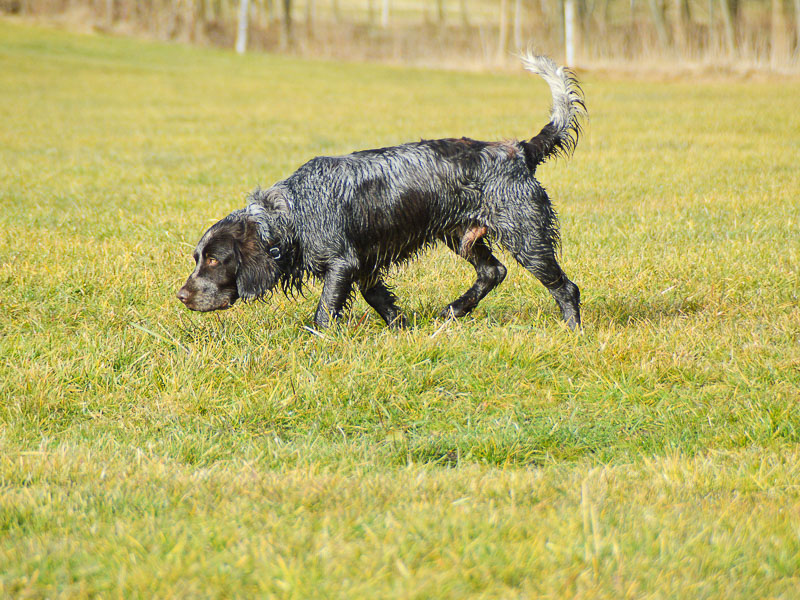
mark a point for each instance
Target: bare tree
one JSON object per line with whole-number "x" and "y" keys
{"x": 682, "y": 19}
{"x": 658, "y": 13}
{"x": 311, "y": 16}
{"x": 797, "y": 25}
{"x": 517, "y": 24}
{"x": 779, "y": 38}
{"x": 465, "y": 14}
{"x": 730, "y": 17}
{"x": 502, "y": 42}
{"x": 287, "y": 37}
{"x": 440, "y": 13}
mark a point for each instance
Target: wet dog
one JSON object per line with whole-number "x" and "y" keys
{"x": 346, "y": 220}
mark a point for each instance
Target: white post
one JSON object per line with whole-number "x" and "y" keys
{"x": 241, "y": 34}
{"x": 569, "y": 32}
{"x": 385, "y": 14}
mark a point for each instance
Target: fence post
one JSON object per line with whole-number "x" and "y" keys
{"x": 241, "y": 33}
{"x": 569, "y": 32}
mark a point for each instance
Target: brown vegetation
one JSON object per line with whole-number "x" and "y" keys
{"x": 465, "y": 33}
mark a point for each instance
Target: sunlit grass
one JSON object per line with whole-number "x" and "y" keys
{"x": 146, "y": 450}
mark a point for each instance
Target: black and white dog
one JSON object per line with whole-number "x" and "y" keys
{"x": 347, "y": 219}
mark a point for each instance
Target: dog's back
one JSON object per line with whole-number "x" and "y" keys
{"x": 389, "y": 203}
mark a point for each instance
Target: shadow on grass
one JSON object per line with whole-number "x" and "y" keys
{"x": 491, "y": 448}
{"x": 637, "y": 309}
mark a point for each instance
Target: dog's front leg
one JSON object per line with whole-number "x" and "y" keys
{"x": 335, "y": 292}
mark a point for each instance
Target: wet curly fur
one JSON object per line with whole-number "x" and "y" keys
{"x": 345, "y": 220}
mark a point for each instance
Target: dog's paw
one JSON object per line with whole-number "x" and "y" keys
{"x": 454, "y": 311}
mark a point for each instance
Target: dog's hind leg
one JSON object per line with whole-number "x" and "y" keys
{"x": 541, "y": 261}
{"x": 381, "y": 298}
{"x": 490, "y": 273}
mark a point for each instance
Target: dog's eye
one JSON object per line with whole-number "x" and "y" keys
{"x": 275, "y": 253}
{"x": 211, "y": 261}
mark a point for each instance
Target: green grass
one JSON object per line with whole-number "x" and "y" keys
{"x": 146, "y": 451}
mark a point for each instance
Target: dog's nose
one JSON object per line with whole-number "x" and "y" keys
{"x": 183, "y": 295}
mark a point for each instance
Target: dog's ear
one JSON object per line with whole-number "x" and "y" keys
{"x": 256, "y": 274}
{"x": 267, "y": 226}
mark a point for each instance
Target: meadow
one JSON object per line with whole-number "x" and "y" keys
{"x": 147, "y": 451}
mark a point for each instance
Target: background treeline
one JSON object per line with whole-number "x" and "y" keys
{"x": 467, "y": 32}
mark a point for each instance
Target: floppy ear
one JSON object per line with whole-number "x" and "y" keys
{"x": 266, "y": 227}
{"x": 254, "y": 277}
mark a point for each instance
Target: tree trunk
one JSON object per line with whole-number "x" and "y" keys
{"x": 730, "y": 13}
{"x": 311, "y": 16}
{"x": 502, "y": 42}
{"x": 287, "y": 39}
{"x": 681, "y": 25}
{"x": 660, "y": 22}
{"x": 797, "y": 26}
{"x": 779, "y": 40}
{"x": 517, "y": 25}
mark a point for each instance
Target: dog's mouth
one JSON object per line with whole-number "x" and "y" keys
{"x": 204, "y": 304}
{"x": 224, "y": 306}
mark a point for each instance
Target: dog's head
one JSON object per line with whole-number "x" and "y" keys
{"x": 242, "y": 256}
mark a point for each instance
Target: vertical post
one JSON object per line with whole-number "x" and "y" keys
{"x": 385, "y": 14}
{"x": 569, "y": 32}
{"x": 241, "y": 33}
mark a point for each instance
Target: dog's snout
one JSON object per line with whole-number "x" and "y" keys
{"x": 183, "y": 295}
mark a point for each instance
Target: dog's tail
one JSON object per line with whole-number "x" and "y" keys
{"x": 560, "y": 135}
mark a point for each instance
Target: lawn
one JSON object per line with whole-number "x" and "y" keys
{"x": 146, "y": 451}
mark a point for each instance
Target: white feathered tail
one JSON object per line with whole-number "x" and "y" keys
{"x": 560, "y": 135}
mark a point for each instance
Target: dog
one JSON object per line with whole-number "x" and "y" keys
{"x": 346, "y": 220}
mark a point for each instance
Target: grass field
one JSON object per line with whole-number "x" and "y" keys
{"x": 146, "y": 451}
